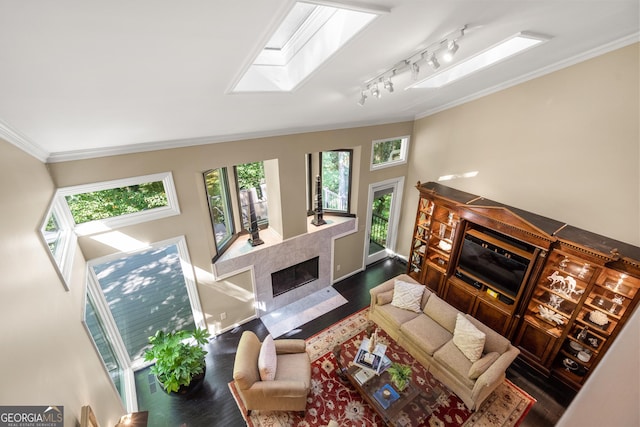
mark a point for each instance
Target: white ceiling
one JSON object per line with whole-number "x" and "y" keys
{"x": 82, "y": 79}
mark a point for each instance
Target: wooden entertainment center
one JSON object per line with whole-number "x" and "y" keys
{"x": 559, "y": 293}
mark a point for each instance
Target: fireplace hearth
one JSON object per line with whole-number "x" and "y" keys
{"x": 294, "y": 276}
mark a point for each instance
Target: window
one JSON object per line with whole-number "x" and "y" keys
{"x": 252, "y": 191}
{"x": 102, "y": 342}
{"x": 86, "y": 207}
{"x": 145, "y": 292}
{"x": 220, "y": 210}
{"x": 57, "y": 233}
{"x": 130, "y": 297}
{"x": 304, "y": 40}
{"x": 389, "y": 152}
{"x": 111, "y": 204}
{"x": 335, "y": 172}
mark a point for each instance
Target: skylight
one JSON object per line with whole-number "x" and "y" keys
{"x": 506, "y": 49}
{"x": 305, "y": 39}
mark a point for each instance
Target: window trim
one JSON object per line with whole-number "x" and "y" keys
{"x": 404, "y": 153}
{"x": 262, "y": 224}
{"x": 350, "y": 184}
{"x": 107, "y": 224}
{"x": 63, "y": 258}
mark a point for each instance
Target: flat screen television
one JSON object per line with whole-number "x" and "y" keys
{"x": 497, "y": 267}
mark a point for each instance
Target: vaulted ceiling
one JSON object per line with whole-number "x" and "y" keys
{"x": 83, "y": 78}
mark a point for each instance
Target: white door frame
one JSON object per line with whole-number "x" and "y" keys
{"x": 397, "y": 186}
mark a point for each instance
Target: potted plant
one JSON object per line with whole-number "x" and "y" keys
{"x": 179, "y": 357}
{"x": 400, "y": 375}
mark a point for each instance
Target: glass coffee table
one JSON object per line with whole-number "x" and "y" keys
{"x": 410, "y": 406}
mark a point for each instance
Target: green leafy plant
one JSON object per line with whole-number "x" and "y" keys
{"x": 179, "y": 357}
{"x": 400, "y": 375}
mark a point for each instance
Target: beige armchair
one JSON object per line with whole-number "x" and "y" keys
{"x": 288, "y": 391}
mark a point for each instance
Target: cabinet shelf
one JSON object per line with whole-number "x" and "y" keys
{"x": 547, "y": 327}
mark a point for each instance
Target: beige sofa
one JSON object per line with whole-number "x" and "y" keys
{"x": 428, "y": 336}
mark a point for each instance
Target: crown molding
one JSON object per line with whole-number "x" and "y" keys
{"x": 22, "y": 142}
{"x": 190, "y": 142}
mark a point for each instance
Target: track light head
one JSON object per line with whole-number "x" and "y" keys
{"x": 388, "y": 85}
{"x": 375, "y": 92}
{"x": 432, "y": 61}
{"x": 452, "y": 48}
{"x": 415, "y": 71}
{"x": 363, "y": 98}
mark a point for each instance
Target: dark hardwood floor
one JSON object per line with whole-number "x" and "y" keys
{"x": 213, "y": 405}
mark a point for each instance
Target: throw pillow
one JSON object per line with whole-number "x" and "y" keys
{"x": 482, "y": 364}
{"x": 407, "y": 295}
{"x": 267, "y": 359}
{"x": 468, "y": 338}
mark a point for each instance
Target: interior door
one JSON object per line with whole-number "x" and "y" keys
{"x": 382, "y": 219}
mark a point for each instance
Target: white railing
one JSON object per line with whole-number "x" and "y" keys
{"x": 333, "y": 201}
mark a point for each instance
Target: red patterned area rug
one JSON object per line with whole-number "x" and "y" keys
{"x": 332, "y": 399}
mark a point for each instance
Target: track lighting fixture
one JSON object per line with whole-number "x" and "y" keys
{"x": 428, "y": 55}
{"x": 452, "y": 48}
{"x": 432, "y": 61}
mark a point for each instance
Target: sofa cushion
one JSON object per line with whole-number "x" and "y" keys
{"x": 384, "y": 297}
{"x": 394, "y": 315}
{"x": 441, "y": 312}
{"x": 407, "y": 295}
{"x": 482, "y": 364}
{"x": 494, "y": 341}
{"x": 267, "y": 359}
{"x": 468, "y": 338}
{"x": 457, "y": 364}
{"x": 425, "y": 333}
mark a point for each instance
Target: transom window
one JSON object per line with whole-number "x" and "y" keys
{"x": 389, "y": 152}
{"x": 112, "y": 204}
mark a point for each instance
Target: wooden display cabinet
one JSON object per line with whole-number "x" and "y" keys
{"x": 433, "y": 240}
{"x": 420, "y": 241}
{"x": 606, "y": 305}
{"x": 553, "y": 304}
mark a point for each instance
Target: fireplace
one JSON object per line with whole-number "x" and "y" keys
{"x": 295, "y": 276}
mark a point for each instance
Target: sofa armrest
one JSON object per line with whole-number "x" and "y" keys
{"x": 495, "y": 372}
{"x": 287, "y": 346}
{"x": 283, "y": 388}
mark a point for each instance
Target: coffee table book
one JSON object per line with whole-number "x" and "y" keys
{"x": 375, "y": 361}
{"x": 385, "y": 402}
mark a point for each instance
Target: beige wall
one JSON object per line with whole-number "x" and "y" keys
{"x": 187, "y": 165}
{"x": 565, "y": 145}
{"x": 47, "y": 356}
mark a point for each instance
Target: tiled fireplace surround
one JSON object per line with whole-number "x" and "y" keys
{"x": 276, "y": 254}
